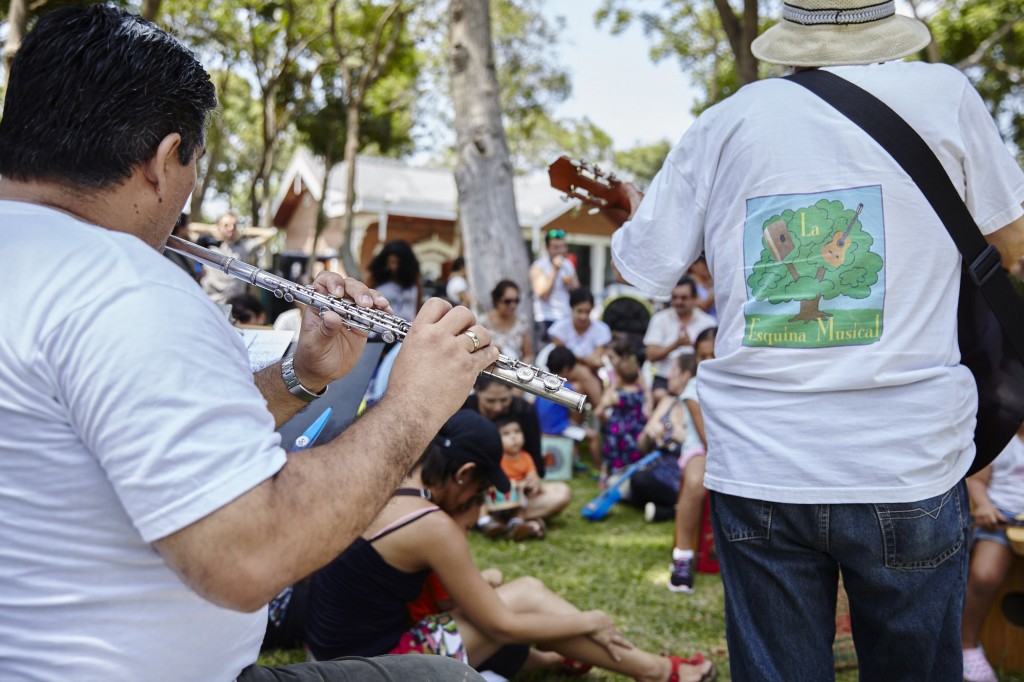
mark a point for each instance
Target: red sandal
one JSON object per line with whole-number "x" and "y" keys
{"x": 572, "y": 668}
{"x": 695, "y": 660}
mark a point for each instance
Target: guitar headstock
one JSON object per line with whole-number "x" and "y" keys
{"x": 589, "y": 184}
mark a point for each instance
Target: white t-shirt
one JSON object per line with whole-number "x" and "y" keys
{"x": 1006, "y": 486}
{"x": 582, "y": 345}
{"x": 858, "y": 396}
{"x": 455, "y": 286}
{"x": 128, "y": 412}
{"x": 663, "y": 329}
{"x": 556, "y": 306}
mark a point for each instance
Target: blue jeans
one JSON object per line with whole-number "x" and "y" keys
{"x": 904, "y": 568}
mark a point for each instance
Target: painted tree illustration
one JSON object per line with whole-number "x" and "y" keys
{"x": 814, "y": 253}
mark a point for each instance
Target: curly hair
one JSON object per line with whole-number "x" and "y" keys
{"x": 408, "y": 272}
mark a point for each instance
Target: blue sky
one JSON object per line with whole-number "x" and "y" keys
{"x": 615, "y": 83}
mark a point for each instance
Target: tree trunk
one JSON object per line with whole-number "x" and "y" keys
{"x": 741, "y": 32}
{"x": 809, "y": 311}
{"x": 746, "y": 62}
{"x": 259, "y": 190}
{"x": 211, "y": 159}
{"x": 490, "y": 228}
{"x": 321, "y": 215}
{"x": 214, "y": 152}
{"x": 17, "y": 21}
{"x": 150, "y": 8}
{"x": 348, "y": 259}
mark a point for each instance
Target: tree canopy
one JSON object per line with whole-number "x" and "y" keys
{"x": 710, "y": 39}
{"x": 280, "y": 79}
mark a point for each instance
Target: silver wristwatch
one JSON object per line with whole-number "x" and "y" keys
{"x": 292, "y": 382}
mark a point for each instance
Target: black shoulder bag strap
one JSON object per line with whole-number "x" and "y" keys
{"x": 996, "y": 357}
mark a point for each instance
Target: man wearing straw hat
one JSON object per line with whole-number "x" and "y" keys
{"x": 838, "y": 417}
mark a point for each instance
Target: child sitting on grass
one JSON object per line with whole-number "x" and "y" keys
{"x": 540, "y": 500}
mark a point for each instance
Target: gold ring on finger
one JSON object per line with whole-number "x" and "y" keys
{"x": 474, "y": 338}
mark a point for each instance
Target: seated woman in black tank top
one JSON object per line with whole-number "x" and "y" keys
{"x": 358, "y": 601}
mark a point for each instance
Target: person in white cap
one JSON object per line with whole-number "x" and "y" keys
{"x": 838, "y": 417}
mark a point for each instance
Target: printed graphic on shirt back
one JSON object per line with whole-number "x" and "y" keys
{"x": 815, "y": 271}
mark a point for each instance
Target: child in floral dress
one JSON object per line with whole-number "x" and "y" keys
{"x": 622, "y": 411}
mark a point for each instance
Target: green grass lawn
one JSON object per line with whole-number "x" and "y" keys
{"x": 619, "y": 565}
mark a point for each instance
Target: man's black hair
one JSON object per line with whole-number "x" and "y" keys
{"x": 92, "y": 92}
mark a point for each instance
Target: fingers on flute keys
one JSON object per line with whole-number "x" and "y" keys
{"x": 348, "y": 287}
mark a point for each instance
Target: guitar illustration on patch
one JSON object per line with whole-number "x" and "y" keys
{"x": 834, "y": 252}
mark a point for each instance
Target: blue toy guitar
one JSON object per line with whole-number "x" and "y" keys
{"x": 598, "y": 508}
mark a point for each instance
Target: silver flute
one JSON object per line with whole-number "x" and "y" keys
{"x": 391, "y": 328}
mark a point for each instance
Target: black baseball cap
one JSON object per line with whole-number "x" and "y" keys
{"x": 468, "y": 436}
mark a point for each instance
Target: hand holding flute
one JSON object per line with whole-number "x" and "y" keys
{"x": 437, "y": 365}
{"x": 328, "y": 349}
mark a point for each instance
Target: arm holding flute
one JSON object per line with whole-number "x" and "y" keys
{"x": 338, "y": 314}
{"x": 243, "y": 554}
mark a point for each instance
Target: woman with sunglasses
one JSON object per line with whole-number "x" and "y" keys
{"x": 510, "y": 332}
{"x": 358, "y": 602}
{"x": 552, "y": 277}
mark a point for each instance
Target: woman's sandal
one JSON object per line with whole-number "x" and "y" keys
{"x": 695, "y": 660}
{"x": 572, "y": 668}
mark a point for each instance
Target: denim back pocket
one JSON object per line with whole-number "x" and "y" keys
{"x": 744, "y": 519}
{"x": 922, "y": 534}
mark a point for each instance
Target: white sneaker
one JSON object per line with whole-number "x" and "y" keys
{"x": 649, "y": 511}
{"x": 976, "y": 666}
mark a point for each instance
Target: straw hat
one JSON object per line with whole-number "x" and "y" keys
{"x": 838, "y": 32}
